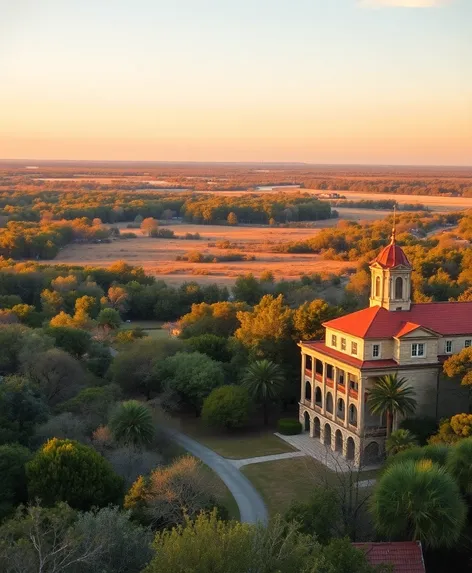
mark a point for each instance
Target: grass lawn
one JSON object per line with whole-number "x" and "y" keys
{"x": 284, "y": 481}
{"x": 234, "y": 445}
{"x": 144, "y": 324}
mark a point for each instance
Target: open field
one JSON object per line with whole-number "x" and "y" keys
{"x": 283, "y": 482}
{"x": 158, "y": 256}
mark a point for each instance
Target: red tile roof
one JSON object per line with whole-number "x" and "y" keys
{"x": 405, "y": 556}
{"x": 445, "y": 318}
{"x": 347, "y": 359}
{"x": 392, "y": 256}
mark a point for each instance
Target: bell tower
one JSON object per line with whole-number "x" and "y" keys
{"x": 391, "y": 278}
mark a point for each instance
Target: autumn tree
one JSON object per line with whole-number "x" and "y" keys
{"x": 149, "y": 225}
{"x": 460, "y": 365}
{"x": 232, "y": 219}
{"x": 308, "y": 319}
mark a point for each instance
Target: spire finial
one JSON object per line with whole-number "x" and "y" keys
{"x": 394, "y": 224}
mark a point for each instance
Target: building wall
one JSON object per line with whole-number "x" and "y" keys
{"x": 339, "y": 335}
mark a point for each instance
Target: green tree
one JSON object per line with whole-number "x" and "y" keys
{"x": 65, "y": 470}
{"x": 191, "y": 377}
{"x": 98, "y": 358}
{"x": 419, "y": 501}
{"x": 399, "y": 441}
{"x": 13, "y": 491}
{"x": 21, "y": 409}
{"x": 391, "y": 396}
{"x": 208, "y": 544}
{"x": 56, "y": 373}
{"x": 436, "y": 453}
{"x": 318, "y": 515}
{"x": 73, "y": 340}
{"x": 264, "y": 381}
{"x": 216, "y": 347}
{"x": 459, "y": 464}
{"x": 247, "y": 289}
{"x": 131, "y": 423}
{"x": 232, "y": 219}
{"x": 219, "y": 319}
{"x": 58, "y": 540}
{"x": 227, "y": 407}
{"x": 267, "y": 330}
{"x": 109, "y": 319}
{"x": 308, "y": 319}
{"x": 133, "y": 369}
{"x": 93, "y": 404}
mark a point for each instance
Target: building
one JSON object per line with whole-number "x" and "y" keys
{"x": 393, "y": 335}
{"x": 403, "y": 557}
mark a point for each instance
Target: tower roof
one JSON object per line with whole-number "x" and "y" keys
{"x": 392, "y": 255}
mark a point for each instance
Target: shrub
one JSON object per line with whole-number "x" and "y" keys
{"x": 227, "y": 407}
{"x": 436, "y": 453}
{"x": 289, "y": 427}
{"x": 131, "y": 424}
{"x": 454, "y": 429}
{"x": 421, "y": 428}
{"x": 13, "y": 458}
{"x": 65, "y": 470}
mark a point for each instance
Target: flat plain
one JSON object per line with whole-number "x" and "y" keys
{"x": 158, "y": 256}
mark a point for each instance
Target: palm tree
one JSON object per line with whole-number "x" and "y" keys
{"x": 264, "y": 381}
{"x": 399, "y": 441}
{"x": 419, "y": 501}
{"x": 131, "y": 423}
{"x": 391, "y": 395}
{"x": 459, "y": 464}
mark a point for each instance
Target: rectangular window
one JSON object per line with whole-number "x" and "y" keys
{"x": 448, "y": 346}
{"x": 467, "y": 343}
{"x": 376, "y": 350}
{"x": 417, "y": 349}
{"x": 354, "y": 348}
{"x": 343, "y": 344}
{"x": 334, "y": 340}
{"x": 353, "y": 385}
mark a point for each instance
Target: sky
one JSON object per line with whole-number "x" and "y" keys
{"x": 319, "y": 81}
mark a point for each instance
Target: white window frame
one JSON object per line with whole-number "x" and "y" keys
{"x": 343, "y": 344}
{"x": 448, "y": 347}
{"x": 467, "y": 343}
{"x": 354, "y": 346}
{"x": 376, "y": 346}
{"x": 334, "y": 341}
{"x": 415, "y": 347}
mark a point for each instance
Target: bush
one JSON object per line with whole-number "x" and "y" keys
{"x": 289, "y": 427}
{"x": 227, "y": 407}
{"x": 421, "y": 428}
{"x": 13, "y": 458}
{"x": 436, "y": 453}
{"x": 65, "y": 470}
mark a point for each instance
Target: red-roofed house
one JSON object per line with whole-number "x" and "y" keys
{"x": 393, "y": 335}
{"x": 403, "y": 557}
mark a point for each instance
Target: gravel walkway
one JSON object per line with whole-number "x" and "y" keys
{"x": 261, "y": 459}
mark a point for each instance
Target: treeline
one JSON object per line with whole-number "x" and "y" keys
{"x": 112, "y": 207}
{"x": 383, "y": 204}
{"x": 43, "y": 240}
{"x": 263, "y": 209}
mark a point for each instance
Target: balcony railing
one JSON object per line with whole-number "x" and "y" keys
{"x": 341, "y": 388}
{"x": 375, "y": 431}
{"x": 329, "y": 382}
{"x": 353, "y": 393}
{"x": 308, "y": 372}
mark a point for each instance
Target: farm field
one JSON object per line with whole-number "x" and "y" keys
{"x": 158, "y": 256}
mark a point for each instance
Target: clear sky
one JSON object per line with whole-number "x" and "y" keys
{"x": 322, "y": 81}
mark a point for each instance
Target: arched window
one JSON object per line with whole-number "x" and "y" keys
{"x": 318, "y": 398}
{"x": 307, "y": 391}
{"x": 377, "y": 286}
{"x": 340, "y": 409}
{"x": 329, "y": 403}
{"x": 398, "y": 288}
{"x": 353, "y": 415}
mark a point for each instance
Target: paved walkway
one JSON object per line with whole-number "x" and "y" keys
{"x": 314, "y": 448}
{"x": 261, "y": 459}
{"x": 252, "y": 508}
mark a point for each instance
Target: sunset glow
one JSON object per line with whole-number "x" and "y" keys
{"x": 313, "y": 80}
